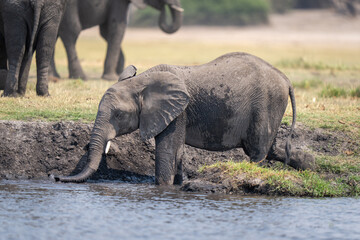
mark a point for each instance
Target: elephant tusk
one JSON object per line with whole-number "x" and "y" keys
{"x": 107, "y": 148}
{"x": 177, "y": 8}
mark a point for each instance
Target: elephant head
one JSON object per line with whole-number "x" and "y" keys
{"x": 150, "y": 102}
{"x": 175, "y": 9}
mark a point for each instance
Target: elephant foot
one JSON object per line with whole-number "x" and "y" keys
{"x": 43, "y": 93}
{"x": 12, "y": 94}
{"x": 110, "y": 77}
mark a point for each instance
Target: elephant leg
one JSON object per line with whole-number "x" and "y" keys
{"x": 52, "y": 70}
{"x": 121, "y": 63}
{"x": 24, "y": 75}
{"x": 260, "y": 137}
{"x": 169, "y": 152}
{"x": 44, "y": 51}
{"x": 3, "y": 63}
{"x": 113, "y": 32}
{"x": 178, "y": 180}
{"x": 3, "y": 56}
{"x": 69, "y": 32}
{"x": 75, "y": 69}
{"x": 15, "y": 49}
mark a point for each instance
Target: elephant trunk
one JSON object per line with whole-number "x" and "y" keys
{"x": 176, "y": 15}
{"x": 96, "y": 149}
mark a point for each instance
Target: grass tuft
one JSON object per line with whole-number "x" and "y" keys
{"x": 303, "y": 63}
{"x": 331, "y": 91}
{"x": 308, "y": 83}
{"x": 355, "y": 92}
{"x": 287, "y": 182}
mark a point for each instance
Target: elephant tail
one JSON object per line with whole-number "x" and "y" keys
{"x": 288, "y": 145}
{"x": 37, "y": 11}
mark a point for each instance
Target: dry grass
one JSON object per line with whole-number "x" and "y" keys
{"x": 311, "y": 58}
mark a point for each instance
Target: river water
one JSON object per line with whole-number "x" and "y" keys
{"x": 116, "y": 210}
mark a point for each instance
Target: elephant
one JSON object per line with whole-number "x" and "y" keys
{"x": 111, "y": 16}
{"x": 27, "y": 26}
{"x": 3, "y": 75}
{"x": 235, "y": 101}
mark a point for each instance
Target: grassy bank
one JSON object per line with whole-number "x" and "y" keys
{"x": 332, "y": 178}
{"x": 326, "y": 80}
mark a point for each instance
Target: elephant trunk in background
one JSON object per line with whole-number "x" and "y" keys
{"x": 176, "y": 15}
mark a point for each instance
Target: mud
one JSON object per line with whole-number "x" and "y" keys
{"x": 33, "y": 150}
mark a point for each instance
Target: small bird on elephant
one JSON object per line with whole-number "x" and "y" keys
{"x": 235, "y": 101}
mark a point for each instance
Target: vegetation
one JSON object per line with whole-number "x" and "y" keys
{"x": 228, "y": 12}
{"x": 277, "y": 180}
{"x": 212, "y": 12}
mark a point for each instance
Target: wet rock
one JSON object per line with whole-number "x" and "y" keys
{"x": 203, "y": 186}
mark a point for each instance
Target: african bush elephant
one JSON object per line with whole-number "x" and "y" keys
{"x": 26, "y": 26}
{"x": 237, "y": 100}
{"x": 111, "y": 16}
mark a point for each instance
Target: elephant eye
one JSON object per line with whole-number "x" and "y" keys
{"x": 118, "y": 114}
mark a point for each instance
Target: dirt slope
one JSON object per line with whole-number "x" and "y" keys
{"x": 35, "y": 149}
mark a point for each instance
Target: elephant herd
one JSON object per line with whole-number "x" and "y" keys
{"x": 34, "y": 25}
{"x": 235, "y": 101}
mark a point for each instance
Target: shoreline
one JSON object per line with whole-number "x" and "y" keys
{"x": 33, "y": 150}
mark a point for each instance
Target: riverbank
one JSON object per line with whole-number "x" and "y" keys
{"x": 33, "y": 150}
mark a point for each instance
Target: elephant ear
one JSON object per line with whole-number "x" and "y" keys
{"x": 129, "y": 72}
{"x": 139, "y": 3}
{"x": 164, "y": 98}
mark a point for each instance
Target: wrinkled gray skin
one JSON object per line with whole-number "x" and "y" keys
{"x": 237, "y": 100}
{"x": 111, "y": 16}
{"x": 27, "y": 26}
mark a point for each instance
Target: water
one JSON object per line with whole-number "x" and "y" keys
{"x": 115, "y": 210}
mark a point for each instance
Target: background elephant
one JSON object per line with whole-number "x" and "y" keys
{"x": 26, "y": 26}
{"x": 3, "y": 75}
{"x": 111, "y": 16}
{"x": 237, "y": 100}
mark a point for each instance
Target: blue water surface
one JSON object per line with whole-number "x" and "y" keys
{"x": 116, "y": 210}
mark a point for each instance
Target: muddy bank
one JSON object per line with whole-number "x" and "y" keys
{"x": 32, "y": 150}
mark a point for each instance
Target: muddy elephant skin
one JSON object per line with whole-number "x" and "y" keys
{"x": 111, "y": 17}
{"x": 235, "y": 101}
{"x": 27, "y": 26}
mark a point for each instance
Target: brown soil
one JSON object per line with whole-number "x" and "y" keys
{"x": 33, "y": 150}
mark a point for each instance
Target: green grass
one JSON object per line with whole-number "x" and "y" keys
{"x": 303, "y": 63}
{"x": 308, "y": 83}
{"x": 340, "y": 165}
{"x": 331, "y": 91}
{"x": 73, "y": 100}
{"x": 355, "y": 92}
{"x": 288, "y": 182}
